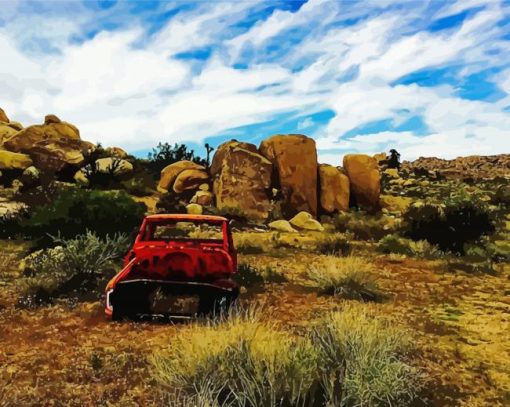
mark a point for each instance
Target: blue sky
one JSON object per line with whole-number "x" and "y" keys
{"x": 428, "y": 78}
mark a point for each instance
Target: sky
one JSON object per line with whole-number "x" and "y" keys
{"x": 429, "y": 78}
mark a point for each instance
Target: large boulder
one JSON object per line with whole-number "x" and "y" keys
{"x": 6, "y": 131}
{"x": 3, "y": 116}
{"x": 115, "y": 165}
{"x": 294, "y": 157}
{"x": 365, "y": 180}
{"x": 170, "y": 173}
{"x": 334, "y": 189}
{"x": 116, "y": 152}
{"x": 189, "y": 180}
{"x": 242, "y": 179}
{"x": 52, "y": 129}
{"x": 55, "y": 155}
{"x": 14, "y": 161}
{"x": 204, "y": 198}
{"x": 282, "y": 225}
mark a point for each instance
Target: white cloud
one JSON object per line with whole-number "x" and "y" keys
{"x": 127, "y": 88}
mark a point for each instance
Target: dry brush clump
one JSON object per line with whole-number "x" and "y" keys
{"x": 75, "y": 266}
{"x": 349, "y": 358}
{"x": 348, "y": 277}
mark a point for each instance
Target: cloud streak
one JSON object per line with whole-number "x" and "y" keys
{"x": 210, "y": 68}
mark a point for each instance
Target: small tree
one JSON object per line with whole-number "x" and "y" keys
{"x": 394, "y": 160}
{"x": 209, "y": 149}
{"x": 165, "y": 154}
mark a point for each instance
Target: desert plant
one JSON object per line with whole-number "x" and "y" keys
{"x": 248, "y": 275}
{"x": 165, "y": 154}
{"x": 74, "y": 266}
{"x": 74, "y": 211}
{"x": 364, "y": 360}
{"x": 336, "y": 244}
{"x": 461, "y": 219}
{"x": 400, "y": 245}
{"x": 365, "y": 226}
{"x": 240, "y": 361}
{"x": 348, "y": 277}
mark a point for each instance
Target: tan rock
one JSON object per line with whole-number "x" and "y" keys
{"x": 204, "y": 198}
{"x": 117, "y": 165}
{"x": 304, "y": 220}
{"x": 3, "y": 116}
{"x": 54, "y": 155}
{"x": 204, "y": 187}
{"x": 222, "y": 149}
{"x": 294, "y": 158}
{"x": 6, "y": 132}
{"x": 380, "y": 157}
{"x": 189, "y": 180}
{"x": 334, "y": 189}
{"x": 14, "y": 161}
{"x": 26, "y": 139}
{"x": 242, "y": 180}
{"x": 16, "y": 125}
{"x": 395, "y": 203}
{"x": 391, "y": 173}
{"x": 51, "y": 119}
{"x": 365, "y": 180}
{"x": 282, "y": 226}
{"x": 116, "y": 152}
{"x": 194, "y": 209}
{"x": 81, "y": 178}
{"x": 170, "y": 173}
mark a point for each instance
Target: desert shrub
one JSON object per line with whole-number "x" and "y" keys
{"x": 248, "y": 275}
{"x": 139, "y": 185}
{"x": 165, "y": 154}
{"x": 336, "y": 244}
{"x": 364, "y": 360}
{"x": 349, "y": 358}
{"x": 461, "y": 219}
{"x": 75, "y": 266}
{"x": 241, "y": 362}
{"x": 108, "y": 179}
{"x": 502, "y": 195}
{"x": 348, "y": 277}
{"x": 172, "y": 203}
{"x": 74, "y": 211}
{"x": 400, "y": 245}
{"x": 248, "y": 244}
{"x": 364, "y": 226}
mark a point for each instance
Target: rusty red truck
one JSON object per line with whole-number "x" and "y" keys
{"x": 179, "y": 266}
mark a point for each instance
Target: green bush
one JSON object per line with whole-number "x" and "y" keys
{"x": 250, "y": 275}
{"x": 400, "y": 245}
{"x": 461, "y": 219}
{"x": 76, "y": 266}
{"x": 364, "y": 226}
{"x": 74, "y": 211}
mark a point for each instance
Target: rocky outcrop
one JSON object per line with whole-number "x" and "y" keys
{"x": 189, "y": 180}
{"x": 334, "y": 190}
{"x": 170, "y": 173}
{"x": 204, "y": 198}
{"x": 52, "y": 129}
{"x": 241, "y": 179}
{"x": 365, "y": 180}
{"x": 3, "y": 116}
{"x": 6, "y": 132}
{"x": 116, "y": 152}
{"x": 462, "y": 168}
{"x": 54, "y": 155}
{"x": 294, "y": 158}
{"x": 14, "y": 161}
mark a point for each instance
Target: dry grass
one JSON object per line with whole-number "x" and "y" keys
{"x": 348, "y": 277}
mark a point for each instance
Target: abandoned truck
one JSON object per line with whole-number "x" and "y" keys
{"x": 179, "y": 266}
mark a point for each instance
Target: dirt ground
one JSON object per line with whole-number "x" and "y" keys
{"x": 70, "y": 355}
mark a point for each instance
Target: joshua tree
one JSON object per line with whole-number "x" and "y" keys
{"x": 394, "y": 160}
{"x": 209, "y": 150}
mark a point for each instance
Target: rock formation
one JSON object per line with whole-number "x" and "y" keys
{"x": 334, "y": 189}
{"x": 170, "y": 173}
{"x": 242, "y": 179}
{"x": 365, "y": 180}
{"x": 294, "y": 158}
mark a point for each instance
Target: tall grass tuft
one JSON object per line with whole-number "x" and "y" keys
{"x": 348, "y": 277}
{"x": 364, "y": 360}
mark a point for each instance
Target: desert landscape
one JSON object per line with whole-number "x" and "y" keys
{"x": 373, "y": 282}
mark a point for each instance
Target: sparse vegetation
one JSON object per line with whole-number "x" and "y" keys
{"x": 248, "y": 275}
{"x": 349, "y": 358}
{"x": 336, "y": 244}
{"x": 347, "y": 277}
{"x": 76, "y": 266}
{"x": 400, "y": 245}
{"x": 165, "y": 154}
{"x": 364, "y": 226}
